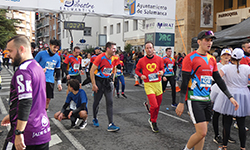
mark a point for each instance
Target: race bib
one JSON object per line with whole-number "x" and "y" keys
{"x": 72, "y": 105}
{"x": 50, "y": 65}
{"x": 206, "y": 81}
{"x": 153, "y": 77}
{"x": 76, "y": 66}
{"x": 170, "y": 66}
{"x": 107, "y": 71}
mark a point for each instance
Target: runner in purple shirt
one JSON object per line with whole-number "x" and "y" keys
{"x": 30, "y": 127}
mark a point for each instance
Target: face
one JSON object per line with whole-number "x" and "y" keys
{"x": 205, "y": 44}
{"x": 225, "y": 57}
{"x": 54, "y": 48}
{"x": 149, "y": 49}
{"x": 169, "y": 52}
{"x": 88, "y": 56}
{"x": 247, "y": 47}
{"x": 97, "y": 51}
{"x": 14, "y": 53}
{"x": 76, "y": 52}
{"x": 111, "y": 51}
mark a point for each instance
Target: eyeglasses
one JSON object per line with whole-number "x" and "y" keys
{"x": 209, "y": 33}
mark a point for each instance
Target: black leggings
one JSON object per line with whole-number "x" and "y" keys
{"x": 227, "y": 122}
{"x": 216, "y": 123}
{"x": 170, "y": 79}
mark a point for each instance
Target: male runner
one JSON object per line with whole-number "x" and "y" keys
{"x": 246, "y": 59}
{"x": 77, "y": 101}
{"x": 50, "y": 62}
{"x": 103, "y": 84}
{"x": 30, "y": 127}
{"x": 197, "y": 71}
{"x": 169, "y": 76}
{"x": 152, "y": 69}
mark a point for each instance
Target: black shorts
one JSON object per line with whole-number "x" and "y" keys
{"x": 200, "y": 111}
{"x": 78, "y": 77}
{"x": 66, "y": 113}
{"x": 49, "y": 90}
{"x": 9, "y": 145}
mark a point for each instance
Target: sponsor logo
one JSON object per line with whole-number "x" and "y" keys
{"x": 165, "y": 25}
{"x": 45, "y": 121}
{"x": 76, "y": 6}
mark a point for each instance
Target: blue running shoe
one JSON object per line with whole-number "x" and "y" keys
{"x": 113, "y": 128}
{"x": 95, "y": 122}
{"x": 174, "y": 105}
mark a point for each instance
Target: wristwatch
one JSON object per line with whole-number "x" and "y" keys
{"x": 18, "y": 132}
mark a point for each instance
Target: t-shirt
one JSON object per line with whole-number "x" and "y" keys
{"x": 119, "y": 71}
{"x": 169, "y": 63}
{"x": 76, "y": 100}
{"x": 104, "y": 65}
{"x": 150, "y": 68}
{"x": 245, "y": 60}
{"x": 74, "y": 64}
{"x": 93, "y": 57}
{"x": 50, "y": 63}
{"x": 29, "y": 82}
{"x": 201, "y": 68}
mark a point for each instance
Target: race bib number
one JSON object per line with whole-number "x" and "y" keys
{"x": 153, "y": 77}
{"x": 50, "y": 65}
{"x": 206, "y": 81}
{"x": 76, "y": 66}
{"x": 170, "y": 66}
{"x": 72, "y": 105}
{"x": 107, "y": 71}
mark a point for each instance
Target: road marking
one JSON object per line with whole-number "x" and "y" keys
{"x": 173, "y": 116}
{"x": 55, "y": 139}
{"x": 5, "y": 87}
{"x": 69, "y": 136}
{"x": 7, "y": 83}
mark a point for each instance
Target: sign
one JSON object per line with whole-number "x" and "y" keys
{"x": 207, "y": 10}
{"x": 102, "y": 39}
{"x": 150, "y": 37}
{"x": 74, "y": 25}
{"x": 164, "y": 39}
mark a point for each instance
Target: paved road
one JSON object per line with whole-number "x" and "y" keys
{"x": 130, "y": 115}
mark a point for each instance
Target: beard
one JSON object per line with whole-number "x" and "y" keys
{"x": 17, "y": 59}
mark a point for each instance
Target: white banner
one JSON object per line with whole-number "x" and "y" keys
{"x": 207, "y": 10}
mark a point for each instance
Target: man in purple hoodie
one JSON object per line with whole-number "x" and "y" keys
{"x": 30, "y": 127}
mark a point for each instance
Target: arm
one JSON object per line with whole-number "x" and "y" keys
{"x": 92, "y": 77}
{"x": 58, "y": 77}
{"x": 249, "y": 79}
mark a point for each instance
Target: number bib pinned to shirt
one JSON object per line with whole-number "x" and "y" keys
{"x": 76, "y": 66}
{"x": 206, "y": 81}
{"x": 153, "y": 77}
{"x": 50, "y": 65}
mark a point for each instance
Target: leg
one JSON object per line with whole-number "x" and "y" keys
{"x": 123, "y": 83}
{"x": 83, "y": 115}
{"x": 153, "y": 107}
{"x": 109, "y": 105}
{"x": 97, "y": 99}
{"x": 47, "y": 103}
{"x": 216, "y": 123}
{"x": 172, "y": 83}
{"x": 227, "y": 122}
{"x": 242, "y": 131}
{"x": 164, "y": 84}
{"x": 117, "y": 84}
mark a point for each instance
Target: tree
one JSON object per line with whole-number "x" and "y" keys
{"x": 128, "y": 48}
{"x": 7, "y": 29}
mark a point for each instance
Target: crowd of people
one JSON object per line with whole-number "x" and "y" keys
{"x": 209, "y": 88}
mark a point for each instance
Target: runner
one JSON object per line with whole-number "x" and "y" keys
{"x": 169, "y": 76}
{"x": 77, "y": 102}
{"x": 103, "y": 84}
{"x": 246, "y": 59}
{"x": 30, "y": 127}
{"x": 152, "y": 69}
{"x": 51, "y": 64}
{"x": 119, "y": 77}
{"x": 236, "y": 76}
{"x": 197, "y": 71}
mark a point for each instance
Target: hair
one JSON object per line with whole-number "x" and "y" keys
{"x": 55, "y": 42}
{"x": 74, "y": 83}
{"x": 150, "y": 43}
{"x": 20, "y": 40}
{"x": 33, "y": 45}
{"x": 168, "y": 49}
{"x": 238, "y": 63}
{"x": 245, "y": 42}
{"x": 109, "y": 44}
{"x": 76, "y": 47}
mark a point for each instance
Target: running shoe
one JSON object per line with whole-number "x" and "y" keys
{"x": 95, "y": 122}
{"x": 153, "y": 126}
{"x": 118, "y": 95}
{"x": 73, "y": 121}
{"x": 231, "y": 140}
{"x": 174, "y": 105}
{"x": 124, "y": 95}
{"x": 83, "y": 124}
{"x": 218, "y": 139}
{"x": 147, "y": 107}
{"x": 113, "y": 128}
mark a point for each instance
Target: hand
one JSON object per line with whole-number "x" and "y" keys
{"x": 5, "y": 121}
{"x": 94, "y": 88}
{"x": 70, "y": 114}
{"x": 179, "y": 109}
{"x": 164, "y": 78}
{"x": 19, "y": 142}
{"x": 82, "y": 72}
{"x": 235, "y": 103}
{"x": 60, "y": 116}
{"x": 160, "y": 73}
{"x": 59, "y": 87}
{"x": 44, "y": 70}
{"x": 68, "y": 77}
{"x": 143, "y": 77}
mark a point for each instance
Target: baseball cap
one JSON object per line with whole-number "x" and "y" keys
{"x": 206, "y": 34}
{"x": 237, "y": 53}
{"x": 226, "y": 51}
{"x": 97, "y": 48}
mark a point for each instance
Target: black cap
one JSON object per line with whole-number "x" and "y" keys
{"x": 206, "y": 34}
{"x": 97, "y": 48}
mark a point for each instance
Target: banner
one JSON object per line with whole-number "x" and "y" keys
{"x": 207, "y": 10}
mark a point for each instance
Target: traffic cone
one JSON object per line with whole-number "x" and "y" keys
{"x": 136, "y": 81}
{"x": 177, "y": 88}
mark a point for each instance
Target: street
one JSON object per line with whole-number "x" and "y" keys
{"x": 129, "y": 114}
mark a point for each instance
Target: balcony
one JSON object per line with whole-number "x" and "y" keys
{"x": 20, "y": 32}
{"x": 21, "y": 25}
{"x": 46, "y": 34}
{"x": 40, "y": 25}
{"x": 20, "y": 17}
{"x": 39, "y": 34}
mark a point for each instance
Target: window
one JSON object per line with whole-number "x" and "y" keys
{"x": 242, "y": 3}
{"x": 135, "y": 25}
{"x": 111, "y": 29}
{"x": 126, "y": 26}
{"x": 143, "y": 24}
{"x": 118, "y": 30}
{"x": 228, "y": 4}
{"x": 87, "y": 31}
{"x": 105, "y": 30}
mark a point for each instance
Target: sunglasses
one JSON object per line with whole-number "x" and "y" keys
{"x": 209, "y": 33}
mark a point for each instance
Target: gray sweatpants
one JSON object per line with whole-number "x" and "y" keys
{"x": 109, "y": 100}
